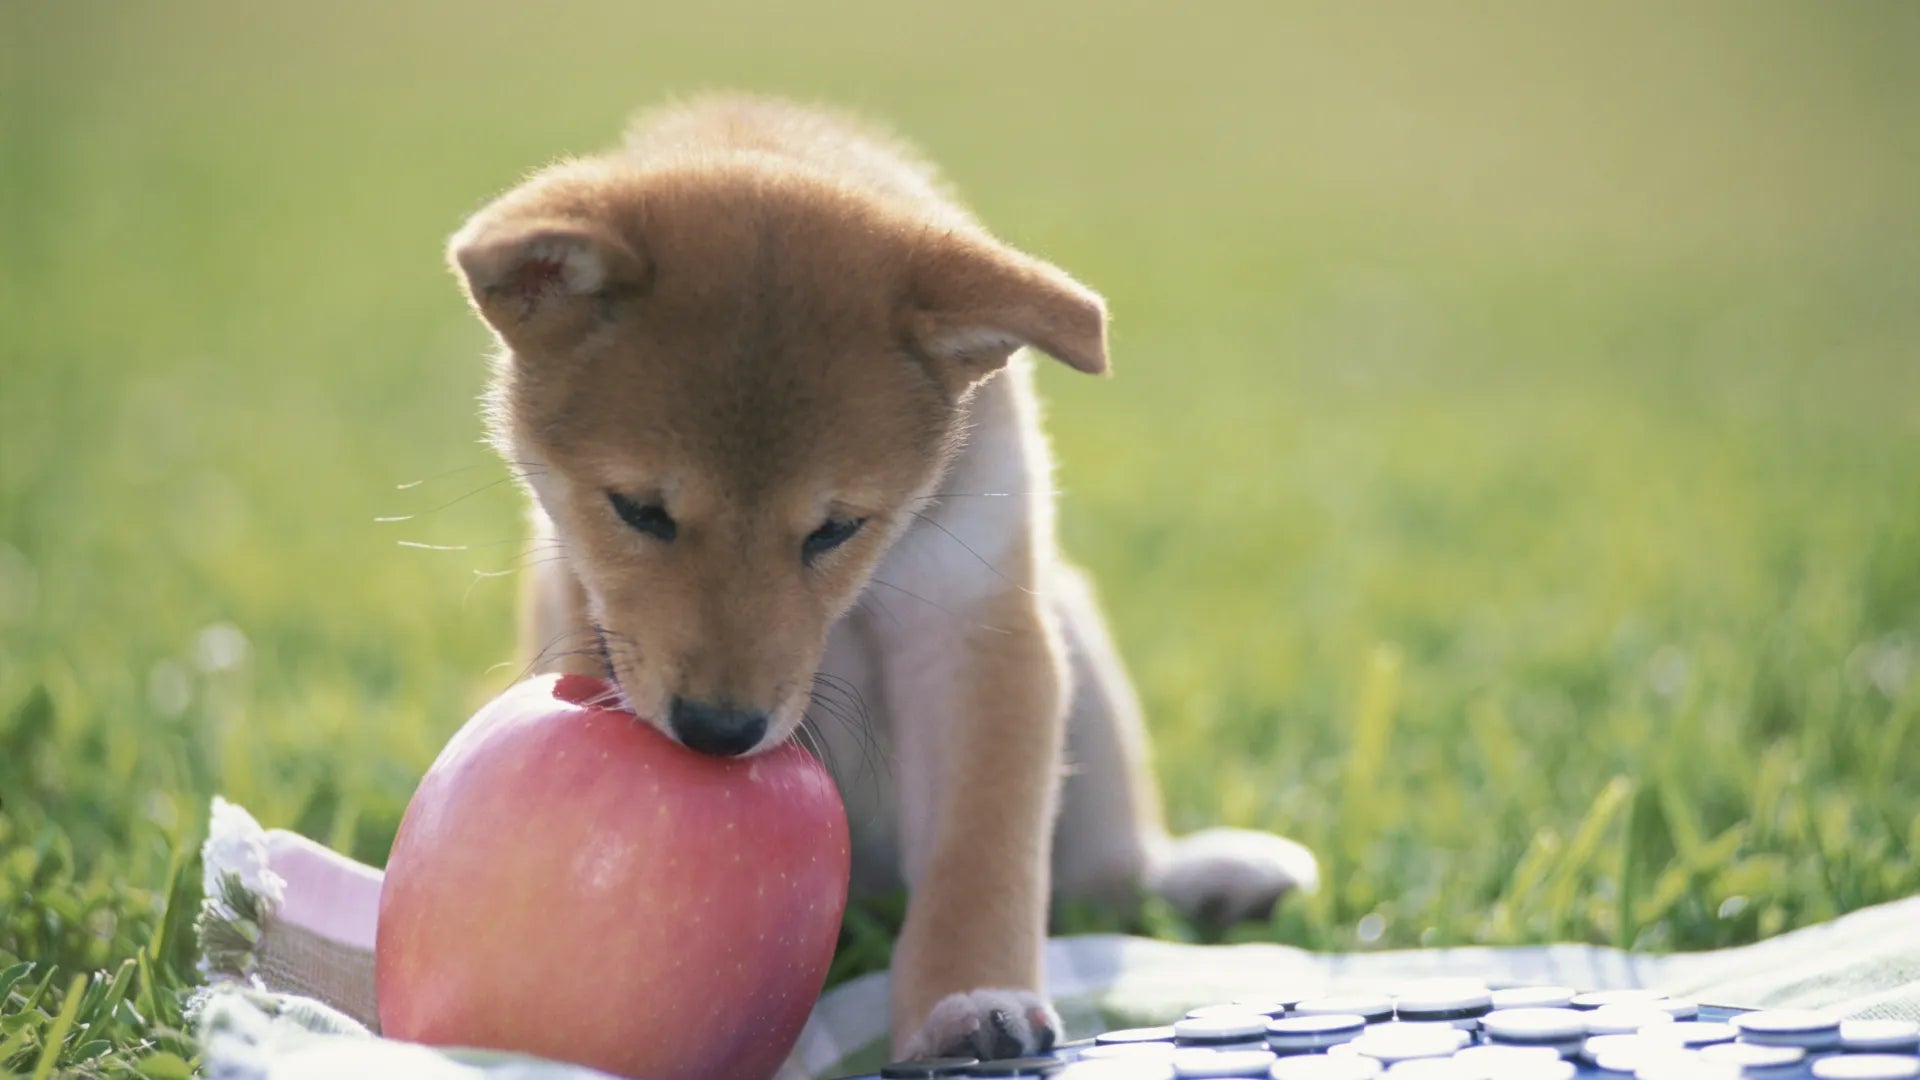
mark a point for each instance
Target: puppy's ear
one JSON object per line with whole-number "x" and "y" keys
{"x": 972, "y": 302}
{"x": 543, "y": 282}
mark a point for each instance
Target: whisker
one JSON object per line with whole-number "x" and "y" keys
{"x": 513, "y": 569}
{"x": 840, "y": 681}
{"x": 816, "y": 744}
{"x": 871, "y": 604}
{"x": 539, "y": 546}
{"x": 544, "y": 657}
{"x": 847, "y": 704}
{"x": 535, "y": 543}
{"x": 810, "y": 741}
{"x": 529, "y": 559}
{"x": 976, "y": 555}
{"x": 606, "y": 698}
{"x": 939, "y": 606}
{"x": 1054, "y": 492}
{"x": 609, "y": 632}
{"x": 852, "y": 714}
{"x": 447, "y": 504}
{"x": 411, "y": 484}
{"x": 871, "y": 760}
{"x": 545, "y": 654}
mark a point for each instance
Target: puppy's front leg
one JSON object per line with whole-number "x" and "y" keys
{"x": 979, "y": 710}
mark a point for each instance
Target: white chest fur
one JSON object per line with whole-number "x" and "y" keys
{"x": 988, "y": 523}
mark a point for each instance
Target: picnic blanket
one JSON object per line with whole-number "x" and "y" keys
{"x": 287, "y": 932}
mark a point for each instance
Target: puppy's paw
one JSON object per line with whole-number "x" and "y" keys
{"x": 1224, "y": 876}
{"x": 987, "y": 1024}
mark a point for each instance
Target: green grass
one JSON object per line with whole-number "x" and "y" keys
{"x": 1510, "y": 487}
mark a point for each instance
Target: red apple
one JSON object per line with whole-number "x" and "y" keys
{"x": 571, "y": 883}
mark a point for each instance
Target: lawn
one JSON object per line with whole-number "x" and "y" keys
{"x": 1510, "y": 485}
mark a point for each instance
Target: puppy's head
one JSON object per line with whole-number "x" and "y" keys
{"x": 728, "y": 390}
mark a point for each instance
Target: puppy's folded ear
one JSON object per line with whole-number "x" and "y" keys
{"x": 972, "y": 302}
{"x": 543, "y": 281}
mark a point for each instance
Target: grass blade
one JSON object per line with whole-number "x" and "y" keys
{"x": 11, "y": 976}
{"x": 1581, "y": 851}
{"x": 15, "y": 1043}
{"x": 50, "y": 1050}
{"x": 116, "y": 991}
{"x": 39, "y": 991}
{"x": 147, "y": 990}
{"x": 159, "y": 939}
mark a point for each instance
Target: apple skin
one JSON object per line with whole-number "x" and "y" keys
{"x": 569, "y": 882}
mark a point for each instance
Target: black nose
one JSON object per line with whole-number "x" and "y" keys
{"x": 720, "y": 730}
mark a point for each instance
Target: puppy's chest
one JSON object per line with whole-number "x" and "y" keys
{"x": 981, "y": 530}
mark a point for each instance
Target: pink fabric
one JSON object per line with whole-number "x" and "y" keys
{"x": 326, "y": 893}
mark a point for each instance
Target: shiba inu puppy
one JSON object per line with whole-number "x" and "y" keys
{"x": 767, "y": 385}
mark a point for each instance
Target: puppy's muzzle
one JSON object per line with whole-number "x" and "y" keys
{"x": 719, "y": 730}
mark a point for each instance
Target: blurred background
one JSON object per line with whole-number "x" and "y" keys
{"x": 1510, "y": 485}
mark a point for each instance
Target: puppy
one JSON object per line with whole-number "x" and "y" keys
{"x": 764, "y": 380}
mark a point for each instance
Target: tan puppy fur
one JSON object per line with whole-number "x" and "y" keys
{"x": 759, "y": 376}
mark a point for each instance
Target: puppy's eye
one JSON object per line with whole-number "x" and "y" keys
{"x": 831, "y": 535}
{"x": 649, "y": 518}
